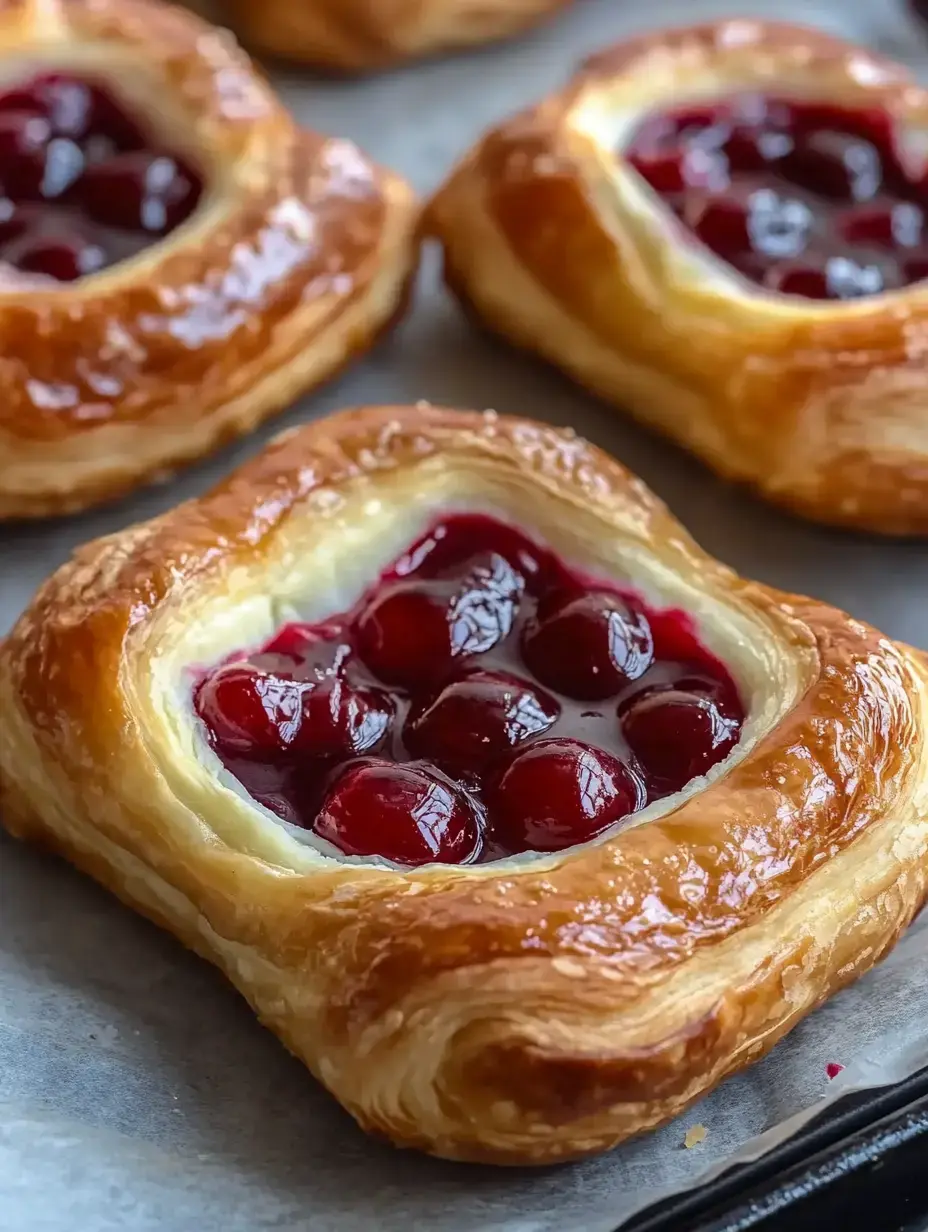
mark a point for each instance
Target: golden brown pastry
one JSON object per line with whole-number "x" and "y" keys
{"x": 606, "y": 937}
{"x": 723, "y": 230}
{"x": 178, "y": 260}
{"x": 369, "y": 34}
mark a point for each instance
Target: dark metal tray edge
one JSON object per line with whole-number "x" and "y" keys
{"x": 821, "y": 1162}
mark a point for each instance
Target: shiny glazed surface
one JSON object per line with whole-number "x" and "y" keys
{"x": 460, "y": 1008}
{"x": 81, "y": 184}
{"x": 481, "y": 699}
{"x": 805, "y": 198}
{"x": 557, "y": 249}
{"x": 303, "y": 222}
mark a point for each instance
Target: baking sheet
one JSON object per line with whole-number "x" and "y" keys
{"x": 136, "y": 1090}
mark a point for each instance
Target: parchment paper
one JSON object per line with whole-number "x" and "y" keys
{"x": 136, "y": 1090}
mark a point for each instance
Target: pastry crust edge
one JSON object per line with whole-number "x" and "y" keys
{"x": 463, "y": 1011}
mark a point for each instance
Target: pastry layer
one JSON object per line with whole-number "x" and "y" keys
{"x": 539, "y": 1007}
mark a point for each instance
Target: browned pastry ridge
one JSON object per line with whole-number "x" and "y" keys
{"x": 298, "y": 257}
{"x": 528, "y": 1010}
{"x": 370, "y": 34}
{"x": 553, "y": 241}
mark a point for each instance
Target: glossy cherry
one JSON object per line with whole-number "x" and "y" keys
{"x": 557, "y": 793}
{"x": 139, "y": 191}
{"x": 69, "y": 149}
{"x": 802, "y": 197}
{"x": 24, "y": 142}
{"x": 443, "y": 555}
{"x": 477, "y": 718}
{"x": 63, "y": 259}
{"x": 76, "y": 109}
{"x": 340, "y": 719}
{"x": 677, "y": 735}
{"x": 411, "y": 814}
{"x": 412, "y": 631}
{"x": 587, "y": 646}
{"x": 252, "y": 711}
{"x": 249, "y": 712}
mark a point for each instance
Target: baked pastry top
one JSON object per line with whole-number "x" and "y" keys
{"x": 723, "y": 230}
{"x": 258, "y": 718}
{"x": 178, "y": 260}
{"x": 370, "y": 34}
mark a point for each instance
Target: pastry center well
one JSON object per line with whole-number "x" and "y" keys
{"x": 804, "y": 198}
{"x": 82, "y": 185}
{"x": 481, "y": 699}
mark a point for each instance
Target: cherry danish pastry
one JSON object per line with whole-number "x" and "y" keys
{"x": 178, "y": 260}
{"x": 517, "y": 817}
{"x": 724, "y": 229}
{"x": 370, "y": 34}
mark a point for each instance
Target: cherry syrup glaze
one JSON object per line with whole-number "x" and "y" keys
{"x": 481, "y": 699}
{"x": 804, "y": 198}
{"x": 81, "y": 185}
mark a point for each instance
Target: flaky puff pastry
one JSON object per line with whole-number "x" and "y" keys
{"x": 524, "y": 1011}
{"x": 558, "y": 244}
{"x": 370, "y": 34}
{"x": 296, "y": 259}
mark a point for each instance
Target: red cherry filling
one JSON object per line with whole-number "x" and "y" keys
{"x": 412, "y": 631}
{"x": 560, "y": 792}
{"x": 75, "y": 109}
{"x": 802, "y": 197}
{"x": 24, "y": 141}
{"x": 411, "y": 814}
{"x": 252, "y": 712}
{"x": 98, "y": 191}
{"x": 587, "y": 646}
{"x": 248, "y": 712}
{"x": 340, "y": 719}
{"x": 677, "y": 735}
{"x": 487, "y": 677}
{"x": 140, "y": 191}
{"x": 477, "y": 718}
{"x": 64, "y": 259}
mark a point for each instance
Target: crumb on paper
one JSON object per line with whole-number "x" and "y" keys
{"x": 105, "y": 1035}
{"x": 694, "y": 1135}
{"x": 833, "y": 1069}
